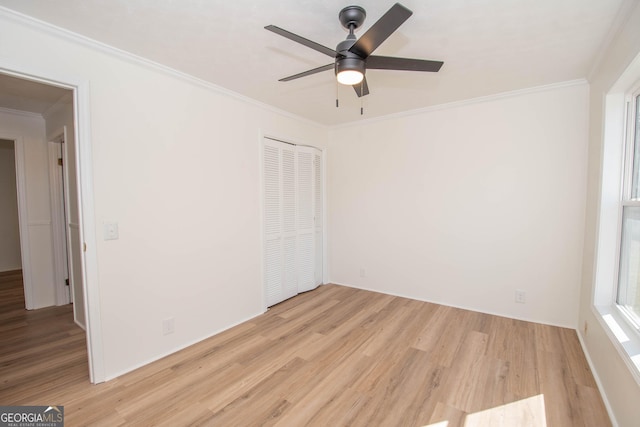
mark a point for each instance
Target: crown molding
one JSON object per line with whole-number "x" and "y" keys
{"x": 466, "y": 102}
{"x": 70, "y": 36}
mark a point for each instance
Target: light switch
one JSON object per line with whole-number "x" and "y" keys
{"x": 110, "y": 230}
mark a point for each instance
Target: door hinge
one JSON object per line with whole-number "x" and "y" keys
{"x": 59, "y": 162}
{"x": 66, "y": 282}
{"x": 84, "y": 247}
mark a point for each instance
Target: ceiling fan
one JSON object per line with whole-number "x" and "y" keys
{"x": 353, "y": 56}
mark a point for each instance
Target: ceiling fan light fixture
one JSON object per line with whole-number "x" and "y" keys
{"x": 350, "y": 77}
{"x": 350, "y": 70}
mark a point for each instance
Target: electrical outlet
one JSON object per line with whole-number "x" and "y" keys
{"x": 521, "y": 296}
{"x": 586, "y": 327}
{"x": 168, "y": 326}
{"x": 363, "y": 272}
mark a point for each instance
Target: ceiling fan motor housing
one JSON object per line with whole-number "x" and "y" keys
{"x": 346, "y": 60}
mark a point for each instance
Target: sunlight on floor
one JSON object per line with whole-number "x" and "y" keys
{"x": 525, "y": 412}
{"x": 529, "y": 412}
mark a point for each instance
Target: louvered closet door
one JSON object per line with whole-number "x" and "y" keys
{"x": 305, "y": 219}
{"x": 280, "y": 221}
{"x": 293, "y": 219}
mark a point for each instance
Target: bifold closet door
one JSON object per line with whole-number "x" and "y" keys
{"x": 293, "y": 225}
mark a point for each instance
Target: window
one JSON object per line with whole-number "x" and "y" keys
{"x": 628, "y": 295}
{"x": 617, "y": 270}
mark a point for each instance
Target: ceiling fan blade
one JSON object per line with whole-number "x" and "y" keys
{"x": 382, "y": 29}
{"x": 406, "y": 64}
{"x": 308, "y": 72}
{"x": 296, "y": 38}
{"x": 362, "y": 89}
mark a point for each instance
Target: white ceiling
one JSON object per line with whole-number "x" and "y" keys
{"x": 488, "y": 46}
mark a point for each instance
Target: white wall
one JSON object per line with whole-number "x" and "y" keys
{"x": 463, "y": 205}
{"x": 9, "y": 233}
{"x": 29, "y": 130}
{"x": 176, "y": 164}
{"x": 622, "y": 392}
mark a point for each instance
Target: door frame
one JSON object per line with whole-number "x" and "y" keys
{"x": 84, "y": 177}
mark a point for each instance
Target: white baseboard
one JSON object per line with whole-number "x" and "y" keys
{"x": 177, "y": 349}
{"x": 395, "y": 294}
{"x": 597, "y": 379}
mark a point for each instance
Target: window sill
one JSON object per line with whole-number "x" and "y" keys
{"x": 625, "y": 339}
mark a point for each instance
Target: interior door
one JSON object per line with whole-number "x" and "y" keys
{"x": 59, "y": 215}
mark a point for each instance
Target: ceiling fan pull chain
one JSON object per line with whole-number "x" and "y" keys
{"x": 362, "y": 97}
{"x": 337, "y": 105}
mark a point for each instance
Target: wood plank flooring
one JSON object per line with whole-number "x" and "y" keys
{"x": 335, "y": 356}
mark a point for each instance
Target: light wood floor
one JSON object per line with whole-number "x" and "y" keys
{"x": 331, "y": 357}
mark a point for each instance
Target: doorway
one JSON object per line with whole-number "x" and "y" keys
{"x": 25, "y": 98}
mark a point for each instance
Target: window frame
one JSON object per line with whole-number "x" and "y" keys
{"x": 630, "y": 144}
